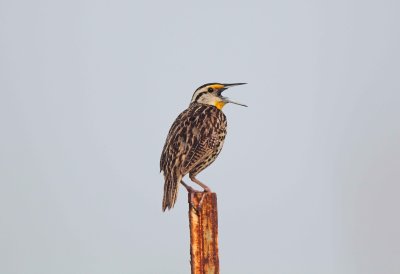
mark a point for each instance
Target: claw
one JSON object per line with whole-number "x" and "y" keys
{"x": 202, "y": 199}
{"x": 191, "y": 192}
{"x": 190, "y": 200}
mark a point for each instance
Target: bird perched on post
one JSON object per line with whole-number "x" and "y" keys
{"x": 194, "y": 140}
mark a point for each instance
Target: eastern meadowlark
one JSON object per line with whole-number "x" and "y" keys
{"x": 194, "y": 140}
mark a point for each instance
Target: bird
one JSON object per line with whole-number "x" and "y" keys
{"x": 194, "y": 140}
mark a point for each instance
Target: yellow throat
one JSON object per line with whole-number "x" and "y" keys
{"x": 219, "y": 104}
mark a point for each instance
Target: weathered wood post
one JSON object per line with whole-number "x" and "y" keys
{"x": 204, "y": 234}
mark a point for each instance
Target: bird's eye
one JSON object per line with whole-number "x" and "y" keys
{"x": 210, "y": 90}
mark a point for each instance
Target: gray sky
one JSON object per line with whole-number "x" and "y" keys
{"x": 307, "y": 182}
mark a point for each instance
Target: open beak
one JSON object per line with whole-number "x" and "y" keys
{"x": 226, "y": 99}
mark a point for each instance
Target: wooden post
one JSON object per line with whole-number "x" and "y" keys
{"x": 204, "y": 234}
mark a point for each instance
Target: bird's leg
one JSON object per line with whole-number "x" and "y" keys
{"x": 191, "y": 191}
{"x": 194, "y": 179}
{"x": 188, "y": 188}
{"x": 206, "y": 189}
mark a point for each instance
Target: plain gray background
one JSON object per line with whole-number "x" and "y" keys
{"x": 307, "y": 182}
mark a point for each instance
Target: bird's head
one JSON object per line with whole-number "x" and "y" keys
{"x": 211, "y": 94}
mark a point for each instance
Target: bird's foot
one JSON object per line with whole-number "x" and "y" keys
{"x": 205, "y": 192}
{"x": 191, "y": 199}
{"x": 192, "y": 191}
{"x": 189, "y": 188}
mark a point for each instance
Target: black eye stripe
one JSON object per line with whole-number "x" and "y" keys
{"x": 199, "y": 95}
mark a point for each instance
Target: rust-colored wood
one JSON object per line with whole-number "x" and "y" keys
{"x": 204, "y": 234}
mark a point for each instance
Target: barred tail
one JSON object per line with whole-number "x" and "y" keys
{"x": 171, "y": 187}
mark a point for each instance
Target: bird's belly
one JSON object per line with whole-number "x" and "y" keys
{"x": 207, "y": 161}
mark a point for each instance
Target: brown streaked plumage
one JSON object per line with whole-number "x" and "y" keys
{"x": 194, "y": 140}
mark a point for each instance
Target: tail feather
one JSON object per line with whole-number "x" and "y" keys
{"x": 171, "y": 187}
